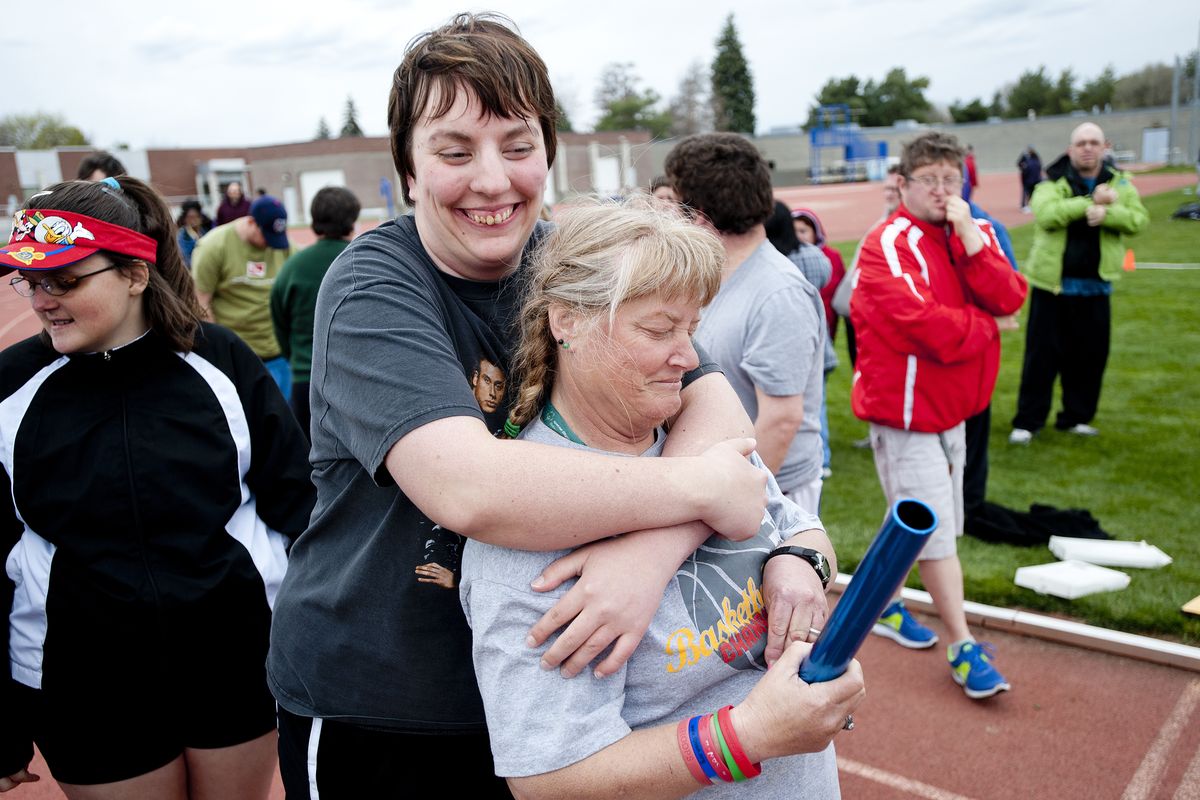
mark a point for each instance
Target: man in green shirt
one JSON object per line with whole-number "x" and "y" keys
{"x": 234, "y": 266}
{"x": 294, "y": 295}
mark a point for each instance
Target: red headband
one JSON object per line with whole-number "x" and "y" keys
{"x": 45, "y": 239}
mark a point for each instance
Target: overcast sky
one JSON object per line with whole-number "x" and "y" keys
{"x": 250, "y": 72}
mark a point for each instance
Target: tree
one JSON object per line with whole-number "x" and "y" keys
{"x": 1032, "y": 91}
{"x": 624, "y": 106}
{"x": 839, "y": 91}
{"x": 562, "y": 122}
{"x": 996, "y": 109}
{"x": 323, "y": 131}
{"x": 350, "y": 124}
{"x": 732, "y": 84}
{"x": 38, "y": 131}
{"x": 1063, "y": 99}
{"x": 974, "y": 111}
{"x": 1100, "y": 91}
{"x": 691, "y": 109}
{"x": 1151, "y": 85}
{"x": 877, "y": 104}
{"x": 895, "y": 98}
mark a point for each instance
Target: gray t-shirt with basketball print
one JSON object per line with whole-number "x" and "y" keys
{"x": 703, "y": 650}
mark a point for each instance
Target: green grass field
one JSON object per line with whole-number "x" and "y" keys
{"x": 1139, "y": 477}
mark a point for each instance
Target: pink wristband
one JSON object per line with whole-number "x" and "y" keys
{"x": 689, "y": 756}
{"x": 735, "y": 747}
{"x": 708, "y": 739}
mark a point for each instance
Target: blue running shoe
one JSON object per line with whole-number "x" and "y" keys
{"x": 898, "y": 625}
{"x": 972, "y": 670}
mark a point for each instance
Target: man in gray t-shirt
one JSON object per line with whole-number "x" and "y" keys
{"x": 763, "y": 328}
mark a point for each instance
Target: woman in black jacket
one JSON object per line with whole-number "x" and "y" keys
{"x": 155, "y": 476}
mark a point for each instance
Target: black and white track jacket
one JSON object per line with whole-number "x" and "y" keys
{"x": 139, "y": 478}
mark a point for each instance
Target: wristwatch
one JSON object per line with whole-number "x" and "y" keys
{"x": 816, "y": 558}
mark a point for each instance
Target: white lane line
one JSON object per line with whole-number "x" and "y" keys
{"x": 1189, "y": 787}
{"x": 907, "y": 785}
{"x": 1148, "y": 774}
{"x": 15, "y": 321}
{"x": 1159, "y": 265}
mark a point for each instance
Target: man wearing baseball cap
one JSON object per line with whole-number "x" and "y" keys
{"x": 234, "y": 266}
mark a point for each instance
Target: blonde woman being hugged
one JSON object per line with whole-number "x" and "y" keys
{"x": 611, "y": 302}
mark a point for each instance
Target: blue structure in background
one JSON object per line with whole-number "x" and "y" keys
{"x": 835, "y": 129}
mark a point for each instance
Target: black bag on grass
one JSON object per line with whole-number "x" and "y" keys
{"x": 1187, "y": 211}
{"x": 991, "y": 522}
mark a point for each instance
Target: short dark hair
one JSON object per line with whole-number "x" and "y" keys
{"x": 723, "y": 176}
{"x": 99, "y": 160}
{"x": 479, "y": 53}
{"x": 170, "y": 300}
{"x": 781, "y": 231}
{"x": 931, "y": 147}
{"x": 334, "y": 211}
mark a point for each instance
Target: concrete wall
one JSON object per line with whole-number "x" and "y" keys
{"x": 997, "y": 145}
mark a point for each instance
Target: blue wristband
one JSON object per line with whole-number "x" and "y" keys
{"x": 698, "y": 749}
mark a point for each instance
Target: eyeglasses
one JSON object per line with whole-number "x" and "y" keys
{"x": 53, "y": 285}
{"x": 931, "y": 182}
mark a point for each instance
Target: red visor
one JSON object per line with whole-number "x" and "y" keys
{"x": 45, "y": 239}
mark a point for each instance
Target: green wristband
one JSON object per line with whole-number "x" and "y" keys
{"x": 729, "y": 762}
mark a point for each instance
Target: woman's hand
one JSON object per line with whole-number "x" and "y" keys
{"x": 620, "y": 587}
{"x": 783, "y": 715}
{"x": 17, "y": 778}
{"x": 733, "y": 491}
{"x": 795, "y": 601}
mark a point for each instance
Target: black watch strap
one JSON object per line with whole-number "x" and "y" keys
{"x": 815, "y": 558}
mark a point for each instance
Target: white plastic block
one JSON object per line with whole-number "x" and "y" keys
{"x": 1070, "y": 579}
{"x": 1109, "y": 552}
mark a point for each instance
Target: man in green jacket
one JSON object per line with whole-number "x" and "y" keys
{"x": 1083, "y": 211}
{"x": 294, "y": 296}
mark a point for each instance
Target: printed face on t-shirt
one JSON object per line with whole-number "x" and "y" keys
{"x": 488, "y": 382}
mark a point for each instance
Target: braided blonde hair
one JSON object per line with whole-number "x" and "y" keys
{"x": 604, "y": 254}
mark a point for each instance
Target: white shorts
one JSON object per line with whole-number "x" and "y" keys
{"x": 807, "y": 495}
{"x": 926, "y": 467}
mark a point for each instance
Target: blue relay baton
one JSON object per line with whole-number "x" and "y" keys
{"x": 887, "y": 562}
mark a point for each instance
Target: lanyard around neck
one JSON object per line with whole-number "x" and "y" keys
{"x": 555, "y": 422}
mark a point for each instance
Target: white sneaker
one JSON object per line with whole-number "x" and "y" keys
{"x": 1082, "y": 430}
{"x": 1020, "y": 436}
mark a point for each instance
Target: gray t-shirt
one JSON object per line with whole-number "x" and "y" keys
{"x": 817, "y": 269}
{"x": 764, "y": 329}
{"x": 703, "y": 650}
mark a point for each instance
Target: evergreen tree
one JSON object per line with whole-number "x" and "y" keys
{"x": 732, "y": 84}
{"x": 323, "y": 131}
{"x": 350, "y": 125}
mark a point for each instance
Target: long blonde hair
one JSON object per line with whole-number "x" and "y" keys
{"x": 604, "y": 254}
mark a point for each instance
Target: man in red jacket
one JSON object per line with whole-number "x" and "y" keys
{"x": 932, "y": 282}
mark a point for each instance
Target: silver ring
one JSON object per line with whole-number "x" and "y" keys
{"x": 814, "y": 632}
{"x": 849, "y": 725}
